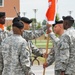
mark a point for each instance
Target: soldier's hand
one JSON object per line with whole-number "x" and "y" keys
{"x": 45, "y": 55}
{"x": 62, "y": 73}
{"x": 48, "y": 25}
{"x": 45, "y": 65}
{"x": 49, "y": 30}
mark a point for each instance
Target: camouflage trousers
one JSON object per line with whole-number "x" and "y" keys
{"x": 57, "y": 72}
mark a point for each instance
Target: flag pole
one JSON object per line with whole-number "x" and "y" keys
{"x": 50, "y": 15}
{"x": 46, "y": 52}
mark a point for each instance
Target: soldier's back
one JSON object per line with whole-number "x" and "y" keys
{"x": 11, "y": 49}
{"x": 71, "y": 64}
{"x": 3, "y": 35}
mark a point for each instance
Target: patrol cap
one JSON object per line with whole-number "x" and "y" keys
{"x": 26, "y": 20}
{"x": 2, "y": 14}
{"x": 58, "y": 22}
{"x": 16, "y": 19}
{"x": 68, "y": 18}
{"x": 19, "y": 25}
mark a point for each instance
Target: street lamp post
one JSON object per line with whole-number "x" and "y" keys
{"x": 70, "y": 12}
{"x": 35, "y": 10}
{"x": 24, "y": 13}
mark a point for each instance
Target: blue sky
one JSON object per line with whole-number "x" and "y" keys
{"x": 64, "y": 6}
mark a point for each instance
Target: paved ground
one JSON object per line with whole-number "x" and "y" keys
{"x": 38, "y": 70}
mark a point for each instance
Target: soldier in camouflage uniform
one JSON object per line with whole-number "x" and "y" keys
{"x": 3, "y": 34}
{"x": 30, "y": 34}
{"x": 15, "y": 52}
{"x": 54, "y": 54}
{"x": 2, "y": 28}
{"x": 66, "y": 47}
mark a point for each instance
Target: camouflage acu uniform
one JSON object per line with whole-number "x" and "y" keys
{"x": 3, "y": 34}
{"x": 30, "y": 34}
{"x": 33, "y": 49}
{"x": 66, "y": 53}
{"x": 15, "y": 56}
{"x": 54, "y": 54}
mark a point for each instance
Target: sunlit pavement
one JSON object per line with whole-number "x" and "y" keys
{"x": 38, "y": 70}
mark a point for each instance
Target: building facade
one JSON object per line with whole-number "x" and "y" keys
{"x": 8, "y": 7}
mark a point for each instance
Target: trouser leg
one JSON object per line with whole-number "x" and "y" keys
{"x": 57, "y": 72}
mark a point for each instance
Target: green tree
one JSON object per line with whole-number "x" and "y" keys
{"x": 33, "y": 19}
{"x": 9, "y": 27}
{"x": 57, "y": 17}
{"x": 34, "y": 22}
{"x": 38, "y": 25}
{"x": 44, "y": 22}
{"x": 74, "y": 25}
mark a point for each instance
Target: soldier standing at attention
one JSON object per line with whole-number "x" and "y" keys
{"x": 33, "y": 49}
{"x": 3, "y": 35}
{"x": 15, "y": 52}
{"x": 2, "y": 22}
{"x": 28, "y": 35}
{"x": 66, "y": 47}
{"x": 67, "y": 44}
{"x": 54, "y": 54}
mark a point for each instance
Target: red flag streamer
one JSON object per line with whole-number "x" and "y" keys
{"x": 51, "y": 12}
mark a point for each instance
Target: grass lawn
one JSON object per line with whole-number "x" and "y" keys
{"x": 41, "y": 44}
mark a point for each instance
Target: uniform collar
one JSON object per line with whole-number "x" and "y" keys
{"x": 70, "y": 28}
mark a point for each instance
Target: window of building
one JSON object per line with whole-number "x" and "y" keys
{"x": 1, "y": 3}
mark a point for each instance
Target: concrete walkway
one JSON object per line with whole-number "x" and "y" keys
{"x": 38, "y": 70}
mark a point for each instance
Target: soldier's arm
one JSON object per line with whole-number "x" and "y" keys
{"x": 25, "y": 59}
{"x": 30, "y": 34}
{"x": 53, "y": 37}
{"x": 36, "y": 51}
{"x": 64, "y": 52}
{"x": 51, "y": 57}
{"x": 40, "y": 31}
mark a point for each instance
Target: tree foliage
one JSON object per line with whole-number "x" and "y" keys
{"x": 57, "y": 17}
{"x": 38, "y": 25}
{"x": 9, "y": 27}
{"x": 44, "y": 22}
